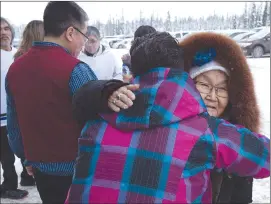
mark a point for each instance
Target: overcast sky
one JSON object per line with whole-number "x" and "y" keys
{"x": 23, "y": 12}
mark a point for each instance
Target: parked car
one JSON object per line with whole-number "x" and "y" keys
{"x": 230, "y": 32}
{"x": 124, "y": 44}
{"x": 259, "y": 28}
{"x": 179, "y": 35}
{"x": 105, "y": 42}
{"x": 243, "y": 36}
{"x": 258, "y": 44}
{"x": 110, "y": 41}
{"x": 232, "y": 35}
{"x": 113, "y": 42}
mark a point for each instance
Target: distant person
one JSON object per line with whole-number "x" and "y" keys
{"x": 143, "y": 30}
{"x": 101, "y": 59}
{"x": 34, "y": 31}
{"x": 9, "y": 187}
{"x": 40, "y": 86}
{"x": 140, "y": 32}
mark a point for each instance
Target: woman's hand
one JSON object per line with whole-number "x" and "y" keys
{"x": 126, "y": 59}
{"x": 29, "y": 170}
{"x": 123, "y": 97}
{"x": 127, "y": 78}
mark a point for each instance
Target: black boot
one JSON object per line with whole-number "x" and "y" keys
{"x": 12, "y": 194}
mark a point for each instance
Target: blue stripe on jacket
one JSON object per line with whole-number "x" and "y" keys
{"x": 80, "y": 75}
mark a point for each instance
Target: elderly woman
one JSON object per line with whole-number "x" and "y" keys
{"x": 222, "y": 76}
{"x": 164, "y": 147}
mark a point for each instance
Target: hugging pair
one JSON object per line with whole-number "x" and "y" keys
{"x": 170, "y": 146}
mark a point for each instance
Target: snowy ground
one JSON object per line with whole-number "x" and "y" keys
{"x": 261, "y": 73}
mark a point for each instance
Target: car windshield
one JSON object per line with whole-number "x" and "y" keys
{"x": 257, "y": 29}
{"x": 243, "y": 36}
{"x": 261, "y": 34}
{"x": 235, "y": 34}
{"x": 247, "y": 36}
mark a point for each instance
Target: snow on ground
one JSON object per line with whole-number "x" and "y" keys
{"x": 261, "y": 72}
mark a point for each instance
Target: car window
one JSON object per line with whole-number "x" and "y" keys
{"x": 247, "y": 36}
{"x": 261, "y": 34}
{"x": 235, "y": 34}
{"x": 178, "y": 35}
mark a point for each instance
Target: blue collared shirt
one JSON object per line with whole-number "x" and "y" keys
{"x": 80, "y": 75}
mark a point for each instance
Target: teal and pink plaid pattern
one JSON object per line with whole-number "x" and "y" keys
{"x": 163, "y": 148}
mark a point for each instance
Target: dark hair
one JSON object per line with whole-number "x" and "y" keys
{"x": 91, "y": 30}
{"x": 155, "y": 50}
{"x": 143, "y": 30}
{"x": 59, "y": 15}
{"x": 34, "y": 31}
{"x": 10, "y": 27}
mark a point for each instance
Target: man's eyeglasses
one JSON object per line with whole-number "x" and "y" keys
{"x": 207, "y": 89}
{"x": 87, "y": 39}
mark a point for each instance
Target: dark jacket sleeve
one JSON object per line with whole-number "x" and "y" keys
{"x": 92, "y": 98}
{"x": 242, "y": 191}
{"x": 235, "y": 189}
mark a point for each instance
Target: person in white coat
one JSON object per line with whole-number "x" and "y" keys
{"x": 102, "y": 60}
{"x": 9, "y": 187}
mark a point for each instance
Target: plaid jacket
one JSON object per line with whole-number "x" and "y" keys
{"x": 162, "y": 149}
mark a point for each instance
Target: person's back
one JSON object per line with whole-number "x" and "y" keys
{"x": 46, "y": 96}
{"x": 40, "y": 85}
{"x": 163, "y": 148}
{"x": 34, "y": 31}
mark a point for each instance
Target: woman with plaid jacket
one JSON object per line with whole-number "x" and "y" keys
{"x": 164, "y": 147}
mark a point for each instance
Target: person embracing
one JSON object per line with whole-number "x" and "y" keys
{"x": 221, "y": 74}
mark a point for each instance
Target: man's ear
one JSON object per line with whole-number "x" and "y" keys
{"x": 69, "y": 33}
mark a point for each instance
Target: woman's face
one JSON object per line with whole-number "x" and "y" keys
{"x": 213, "y": 88}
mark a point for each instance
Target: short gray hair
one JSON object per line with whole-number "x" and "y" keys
{"x": 10, "y": 27}
{"x": 91, "y": 30}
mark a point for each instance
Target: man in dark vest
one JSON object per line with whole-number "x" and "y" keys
{"x": 40, "y": 86}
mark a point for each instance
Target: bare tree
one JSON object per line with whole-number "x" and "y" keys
{"x": 253, "y": 16}
{"x": 265, "y": 14}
